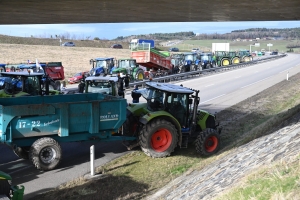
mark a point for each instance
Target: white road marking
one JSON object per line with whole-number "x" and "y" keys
{"x": 212, "y": 98}
{"x": 209, "y": 85}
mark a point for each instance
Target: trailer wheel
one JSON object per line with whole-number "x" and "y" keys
{"x": 22, "y": 152}
{"x": 5, "y": 187}
{"x": 158, "y": 138}
{"x": 139, "y": 75}
{"x": 45, "y": 154}
{"x": 208, "y": 142}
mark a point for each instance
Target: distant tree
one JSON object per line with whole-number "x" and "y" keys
{"x": 96, "y": 38}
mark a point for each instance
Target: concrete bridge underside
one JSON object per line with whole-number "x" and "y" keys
{"x": 110, "y": 11}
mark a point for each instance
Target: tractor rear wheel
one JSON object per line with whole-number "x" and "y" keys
{"x": 45, "y": 154}
{"x": 208, "y": 142}
{"x": 139, "y": 75}
{"x": 158, "y": 138}
{"x": 22, "y": 152}
{"x": 5, "y": 187}
{"x": 235, "y": 60}
{"x": 225, "y": 62}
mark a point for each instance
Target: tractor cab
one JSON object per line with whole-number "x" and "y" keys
{"x": 2, "y": 67}
{"x": 125, "y": 66}
{"x": 206, "y": 60}
{"x": 102, "y": 66}
{"x": 100, "y": 84}
{"x": 173, "y": 99}
{"x": 14, "y": 84}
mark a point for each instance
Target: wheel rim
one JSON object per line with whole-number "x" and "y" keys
{"x": 211, "y": 143}
{"x": 161, "y": 140}
{"x": 236, "y": 61}
{"x": 140, "y": 76}
{"x": 225, "y": 62}
{"x": 47, "y": 155}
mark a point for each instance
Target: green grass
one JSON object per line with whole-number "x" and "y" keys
{"x": 279, "y": 181}
{"x": 135, "y": 175}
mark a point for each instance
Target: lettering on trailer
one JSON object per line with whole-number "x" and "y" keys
{"x": 110, "y": 117}
{"x": 24, "y": 124}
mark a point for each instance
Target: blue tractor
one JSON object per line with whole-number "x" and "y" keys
{"x": 206, "y": 61}
{"x": 191, "y": 62}
{"x": 102, "y": 66}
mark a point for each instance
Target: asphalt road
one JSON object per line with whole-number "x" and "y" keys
{"x": 217, "y": 92}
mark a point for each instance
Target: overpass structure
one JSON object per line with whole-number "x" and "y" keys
{"x": 106, "y": 11}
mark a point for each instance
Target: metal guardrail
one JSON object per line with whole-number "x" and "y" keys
{"x": 180, "y": 76}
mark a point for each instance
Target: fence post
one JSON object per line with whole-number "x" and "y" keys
{"x": 92, "y": 153}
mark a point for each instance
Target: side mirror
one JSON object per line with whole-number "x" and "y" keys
{"x": 91, "y": 61}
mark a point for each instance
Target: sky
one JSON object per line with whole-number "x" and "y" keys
{"x": 113, "y": 30}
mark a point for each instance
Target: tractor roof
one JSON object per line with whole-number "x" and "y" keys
{"x": 126, "y": 59}
{"x": 29, "y": 66}
{"x": 170, "y": 87}
{"x": 22, "y": 74}
{"x": 2, "y": 65}
{"x": 102, "y": 78}
{"x": 100, "y": 59}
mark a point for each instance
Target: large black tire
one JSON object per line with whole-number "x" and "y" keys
{"x": 225, "y": 62}
{"x": 158, "y": 138}
{"x": 139, "y": 75}
{"x": 208, "y": 142}
{"x": 130, "y": 126}
{"x": 45, "y": 154}
{"x": 57, "y": 85}
{"x": 235, "y": 60}
{"x": 22, "y": 152}
{"x": 4, "y": 187}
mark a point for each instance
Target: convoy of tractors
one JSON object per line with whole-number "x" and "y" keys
{"x": 34, "y": 127}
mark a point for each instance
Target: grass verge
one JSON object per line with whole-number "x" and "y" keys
{"x": 135, "y": 176}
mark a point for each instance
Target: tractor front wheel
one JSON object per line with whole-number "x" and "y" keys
{"x": 45, "y": 154}
{"x": 208, "y": 142}
{"x": 158, "y": 138}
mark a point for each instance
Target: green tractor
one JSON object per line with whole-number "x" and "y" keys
{"x": 7, "y": 190}
{"x": 129, "y": 67}
{"x": 245, "y": 56}
{"x": 234, "y": 57}
{"x": 222, "y": 58}
{"x": 170, "y": 118}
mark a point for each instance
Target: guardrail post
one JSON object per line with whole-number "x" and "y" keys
{"x": 92, "y": 155}
{"x": 287, "y": 76}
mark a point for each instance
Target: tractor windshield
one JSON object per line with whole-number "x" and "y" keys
{"x": 101, "y": 63}
{"x": 100, "y": 87}
{"x": 155, "y": 98}
{"x": 205, "y": 57}
{"x": 127, "y": 63}
{"x": 189, "y": 57}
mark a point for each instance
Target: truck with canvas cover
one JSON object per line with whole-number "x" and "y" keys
{"x": 8, "y": 191}
{"x": 169, "y": 118}
{"x": 151, "y": 58}
{"x": 35, "y": 126}
{"x": 128, "y": 66}
{"x": 102, "y": 66}
{"x": 134, "y": 42}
